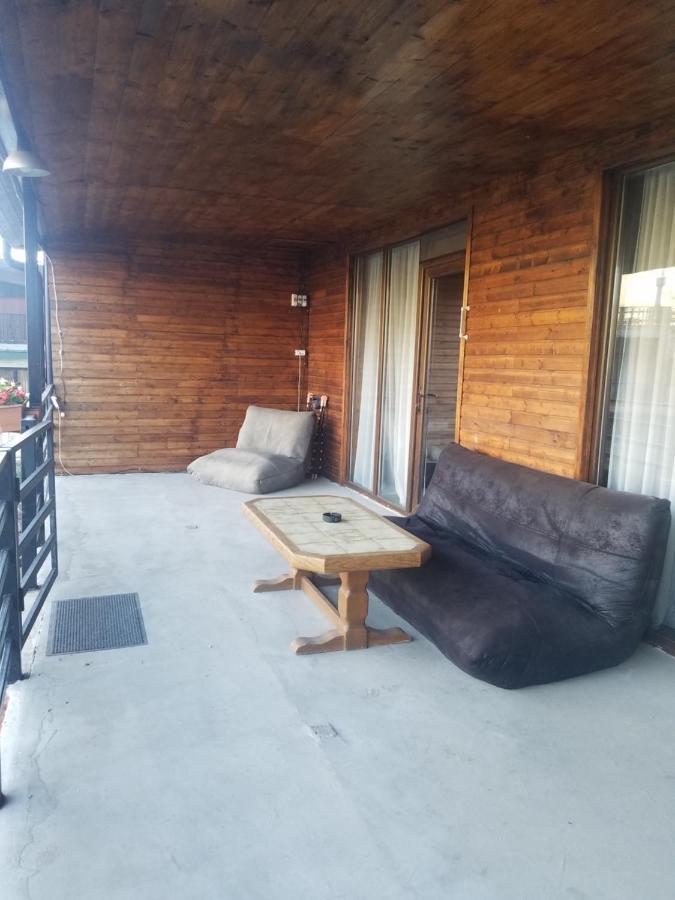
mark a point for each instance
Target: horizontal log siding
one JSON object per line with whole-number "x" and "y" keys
{"x": 530, "y": 285}
{"x": 525, "y": 364}
{"x": 327, "y": 312}
{"x": 164, "y": 347}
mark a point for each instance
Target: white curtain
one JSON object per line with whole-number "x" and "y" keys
{"x": 365, "y": 344}
{"x": 642, "y": 448}
{"x": 397, "y": 388}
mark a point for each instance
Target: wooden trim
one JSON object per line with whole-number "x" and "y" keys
{"x": 384, "y": 307}
{"x": 600, "y": 312}
{"x": 450, "y": 264}
{"x": 419, "y": 385}
{"x": 346, "y": 448}
{"x": 465, "y": 304}
{"x": 346, "y": 343}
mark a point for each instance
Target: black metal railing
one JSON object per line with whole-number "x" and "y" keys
{"x": 36, "y": 517}
{"x": 11, "y": 639}
{"x": 28, "y": 548}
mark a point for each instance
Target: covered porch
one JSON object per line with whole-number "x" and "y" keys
{"x": 455, "y": 224}
{"x": 213, "y": 763}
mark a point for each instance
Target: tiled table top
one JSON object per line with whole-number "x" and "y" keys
{"x": 300, "y": 521}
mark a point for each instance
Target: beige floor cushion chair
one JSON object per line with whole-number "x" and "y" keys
{"x": 271, "y": 453}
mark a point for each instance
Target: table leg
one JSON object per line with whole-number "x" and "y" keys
{"x": 352, "y": 633}
{"x": 290, "y": 582}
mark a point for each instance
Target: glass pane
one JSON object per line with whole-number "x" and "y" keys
{"x": 440, "y": 400}
{"x": 639, "y": 450}
{"x": 367, "y": 306}
{"x": 443, "y": 241}
{"x": 398, "y": 376}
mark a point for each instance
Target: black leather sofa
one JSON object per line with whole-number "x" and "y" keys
{"x": 533, "y": 577}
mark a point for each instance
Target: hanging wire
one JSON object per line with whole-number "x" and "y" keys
{"x": 59, "y": 414}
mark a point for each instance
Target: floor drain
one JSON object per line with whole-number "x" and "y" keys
{"x": 323, "y": 731}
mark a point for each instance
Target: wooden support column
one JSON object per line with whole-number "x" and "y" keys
{"x": 35, "y": 303}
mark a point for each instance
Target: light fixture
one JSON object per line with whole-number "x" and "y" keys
{"x": 25, "y": 164}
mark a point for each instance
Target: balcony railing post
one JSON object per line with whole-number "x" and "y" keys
{"x": 35, "y": 300}
{"x": 9, "y": 541}
{"x": 30, "y": 460}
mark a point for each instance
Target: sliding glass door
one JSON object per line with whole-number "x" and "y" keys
{"x": 400, "y": 346}
{"x": 638, "y": 441}
{"x": 367, "y": 292}
{"x": 387, "y": 395}
{"x": 385, "y": 304}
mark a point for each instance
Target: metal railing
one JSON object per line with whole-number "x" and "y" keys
{"x": 28, "y": 548}
{"x": 36, "y": 517}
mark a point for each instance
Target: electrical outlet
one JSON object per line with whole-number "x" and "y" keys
{"x": 301, "y": 353}
{"x": 299, "y": 300}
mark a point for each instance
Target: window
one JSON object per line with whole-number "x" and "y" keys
{"x": 638, "y": 436}
{"x": 385, "y": 288}
{"x": 385, "y": 355}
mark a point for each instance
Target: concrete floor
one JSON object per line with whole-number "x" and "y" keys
{"x": 212, "y": 764}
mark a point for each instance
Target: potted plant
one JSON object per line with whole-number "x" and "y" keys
{"x": 12, "y": 399}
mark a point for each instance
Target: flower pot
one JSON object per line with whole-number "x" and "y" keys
{"x": 10, "y": 416}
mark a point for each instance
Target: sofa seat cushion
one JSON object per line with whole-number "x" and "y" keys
{"x": 252, "y": 472}
{"x": 499, "y": 623}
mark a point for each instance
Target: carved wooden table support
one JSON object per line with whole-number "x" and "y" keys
{"x": 350, "y": 631}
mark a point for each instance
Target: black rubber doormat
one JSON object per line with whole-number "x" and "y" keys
{"x": 95, "y": 623}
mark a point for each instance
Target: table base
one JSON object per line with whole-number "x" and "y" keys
{"x": 350, "y": 631}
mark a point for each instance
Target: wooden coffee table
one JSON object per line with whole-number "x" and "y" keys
{"x": 349, "y": 549}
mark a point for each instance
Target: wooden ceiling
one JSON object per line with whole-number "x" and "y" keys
{"x": 308, "y": 120}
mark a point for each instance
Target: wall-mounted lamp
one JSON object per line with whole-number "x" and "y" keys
{"x": 25, "y": 164}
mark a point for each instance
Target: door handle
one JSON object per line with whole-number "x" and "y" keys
{"x": 427, "y": 394}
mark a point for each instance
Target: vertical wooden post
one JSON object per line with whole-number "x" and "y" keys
{"x": 35, "y": 302}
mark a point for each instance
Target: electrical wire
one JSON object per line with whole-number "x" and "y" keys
{"x": 59, "y": 414}
{"x": 299, "y": 380}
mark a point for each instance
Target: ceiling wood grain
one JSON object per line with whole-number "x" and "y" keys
{"x": 312, "y": 120}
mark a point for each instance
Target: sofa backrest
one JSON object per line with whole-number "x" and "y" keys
{"x": 606, "y": 547}
{"x": 277, "y": 431}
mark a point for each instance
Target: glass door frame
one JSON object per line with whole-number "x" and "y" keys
{"x": 349, "y": 395}
{"x": 608, "y": 211}
{"x": 430, "y": 271}
{"x": 608, "y": 262}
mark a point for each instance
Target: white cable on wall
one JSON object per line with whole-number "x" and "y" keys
{"x": 59, "y": 414}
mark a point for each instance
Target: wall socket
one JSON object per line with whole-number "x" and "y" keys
{"x": 301, "y": 353}
{"x": 299, "y": 300}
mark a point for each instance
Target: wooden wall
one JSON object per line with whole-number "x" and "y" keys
{"x": 531, "y": 287}
{"x": 164, "y": 346}
{"x": 532, "y": 256}
{"x": 328, "y": 284}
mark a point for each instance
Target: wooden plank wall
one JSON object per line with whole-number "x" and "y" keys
{"x": 530, "y": 285}
{"x": 327, "y": 283}
{"x": 532, "y": 255}
{"x": 164, "y": 346}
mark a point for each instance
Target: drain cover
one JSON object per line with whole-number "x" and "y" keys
{"x": 95, "y": 623}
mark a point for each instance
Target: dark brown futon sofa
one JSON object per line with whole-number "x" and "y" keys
{"x": 533, "y": 578}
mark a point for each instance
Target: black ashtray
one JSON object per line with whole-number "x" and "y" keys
{"x": 332, "y": 517}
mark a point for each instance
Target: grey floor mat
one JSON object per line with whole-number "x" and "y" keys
{"x": 95, "y": 623}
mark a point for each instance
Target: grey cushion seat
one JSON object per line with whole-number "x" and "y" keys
{"x": 271, "y": 453}
{"x": 244, "y": 470}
